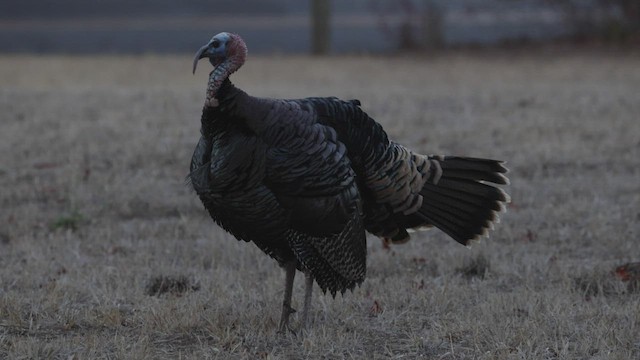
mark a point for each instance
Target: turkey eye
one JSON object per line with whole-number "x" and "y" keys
{"x": 215, "y": 43}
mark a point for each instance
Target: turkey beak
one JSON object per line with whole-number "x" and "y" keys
{"x": 202, "y": 53}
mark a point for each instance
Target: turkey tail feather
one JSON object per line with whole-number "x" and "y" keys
{"x": 459, "y": 202}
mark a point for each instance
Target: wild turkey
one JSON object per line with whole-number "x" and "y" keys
{"x": 303, "y": 179}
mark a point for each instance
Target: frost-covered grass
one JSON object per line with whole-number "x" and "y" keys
{"x": 95, "y": 219}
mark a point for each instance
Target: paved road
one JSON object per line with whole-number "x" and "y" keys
{"x": 351, "y": 33}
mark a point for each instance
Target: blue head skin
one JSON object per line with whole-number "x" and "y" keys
{"x": 226, "y": 52}
{"x": 215, "y": 50}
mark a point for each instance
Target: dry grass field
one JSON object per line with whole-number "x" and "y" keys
{"x": 106, "y": 254}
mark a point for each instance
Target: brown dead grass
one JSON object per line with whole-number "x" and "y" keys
{"x": 94, "y": 208}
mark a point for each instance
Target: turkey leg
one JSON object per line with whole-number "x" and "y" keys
{"x": 308, "y": 287}
{"x": 290, "y": 269}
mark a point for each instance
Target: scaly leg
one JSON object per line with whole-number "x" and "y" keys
{"x": 290, "y": 274}
{"x": 308, "y": 287}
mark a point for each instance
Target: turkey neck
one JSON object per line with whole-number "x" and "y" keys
{"x": 219, "y": 79}
{"x": 217, "y": 119}
{"x": 216, "y": 80}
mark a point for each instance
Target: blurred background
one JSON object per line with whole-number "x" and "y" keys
{"x": 318, "y": 26}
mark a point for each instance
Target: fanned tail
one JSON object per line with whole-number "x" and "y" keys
{"x": 460, "y": 198}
